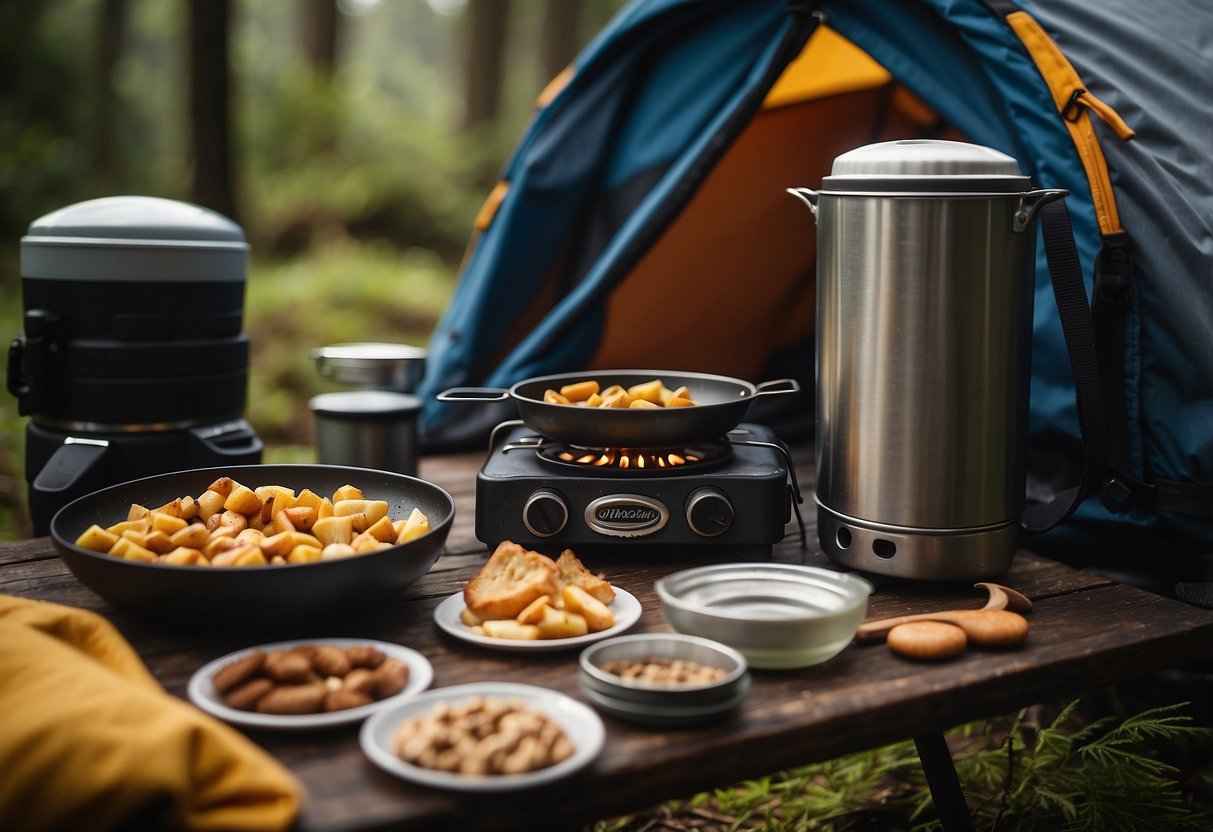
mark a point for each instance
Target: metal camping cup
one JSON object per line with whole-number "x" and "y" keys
{"x": 925, "y": 275}
{"x": 367, "y": 429}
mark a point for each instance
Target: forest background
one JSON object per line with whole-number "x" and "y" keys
{"x": 353, "y": 140}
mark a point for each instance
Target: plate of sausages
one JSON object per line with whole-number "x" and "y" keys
{"x": 309, "y": 684}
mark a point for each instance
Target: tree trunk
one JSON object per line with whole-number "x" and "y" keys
{"x": 561, "y": 36}
{"x": 321, "y": 35}
{"x": 210, "y": 83}
{"x": 106, "y": 118}
{"x": 484, "y": 60}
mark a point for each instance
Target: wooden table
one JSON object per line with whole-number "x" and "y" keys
{"x": 863, "y": 698}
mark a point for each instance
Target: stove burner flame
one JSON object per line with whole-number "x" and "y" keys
{"x": 628, "y": 458}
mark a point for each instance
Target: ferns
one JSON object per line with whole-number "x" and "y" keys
{"x": 1067, "y": 775}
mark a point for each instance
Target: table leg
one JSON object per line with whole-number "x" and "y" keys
{"x": 949, "y": 800}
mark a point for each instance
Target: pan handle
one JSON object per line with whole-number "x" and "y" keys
{"x": 776, "y": 387}
{"x": 473, "y": 394}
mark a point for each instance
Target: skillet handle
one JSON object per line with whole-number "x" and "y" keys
{"x": 473, "y": 394}
{"x": 777, "y": 386}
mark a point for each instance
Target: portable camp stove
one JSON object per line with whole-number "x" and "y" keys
{"x": 731, "y": 496}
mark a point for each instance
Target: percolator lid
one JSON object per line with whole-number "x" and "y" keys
{"x": 134, "y": 238}
{"x": 926, "y": 165}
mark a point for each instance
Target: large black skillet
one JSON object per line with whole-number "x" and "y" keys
{"x": 723, "y": 403}
{"x": 272, "y": 597}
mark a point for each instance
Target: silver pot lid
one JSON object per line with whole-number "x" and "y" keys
{"x": 384, "y": 366}
{"x": 926, "y": 165}
{"x": 134, "y": 238}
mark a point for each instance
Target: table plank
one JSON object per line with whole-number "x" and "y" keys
{"x": 862, "y": 698}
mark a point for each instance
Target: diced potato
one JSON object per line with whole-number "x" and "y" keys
{"x": 96, "y": 539}
{"x": 129, "y": 525}
{"x": 282, "y": 497}
{"x": 251, "y": 537}
{"x": 301, "y": 518}
{"x": 220, "y": 543}
{"x": 130, "y": 550}
{"x": 552, "y": 397}
{"x": 192, "y": 536}
{"x": 561, "y": 624}
{"x": 372, "y": 511}
{"x": 596, "y": 614}
{"x": 580, "y": 391}
{"x": 304, "y": 554}
{"x": 414, "y": 527}
{"x": 159, "y": 542}
{"x": 136, "y": 512}
{"x": 243, "y": 500}
{"x": 681, "y": 393}
{"x": 165, "y": 522}
{"x": 210, "y": 503}
{"x": 593, "y": 401}
{"x": 334, "y": 530}
{"x": 223, "y": 485}
{"x": 649, "y": 391}
{"x": 533, "y": 613}
{"x": 347, "y": 492}
{"x": 365, "y": 543}
{"x": 325, "y": 509}
{"x": 248, "y": 555}
{"x": 620, "y": 399}
{"x": 135, "y": 536}
{"x": 642, "y": 403}
{"x": 183, "y": 556}
{"x": 174, "y": 509}
{"x": 233, "y": 519}
{"x": 511, "y": 629}
{"x": 678, "y": 401}
{"x": 337, "y": 550}
{"x": 382, "y": 530}
{"x": 278, "y": 544}
{"x": 308, "y": 498}
{"x": 189, "y": 508}
{"x": 251, "y": 556}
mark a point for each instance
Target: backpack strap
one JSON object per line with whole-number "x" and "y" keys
{"x": 1065, "y": 273}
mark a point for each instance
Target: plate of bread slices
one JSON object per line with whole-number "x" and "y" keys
{"x": 525, "y": 601}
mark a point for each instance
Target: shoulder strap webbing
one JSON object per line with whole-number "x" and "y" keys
{"x": 1065, "y": 273}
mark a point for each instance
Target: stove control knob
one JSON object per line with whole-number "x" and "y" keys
{"x": 545, "y": 513}
{"x": 709, "y": 512}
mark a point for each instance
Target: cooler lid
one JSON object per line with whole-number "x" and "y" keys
{"x": 134, "y": 238}
{"x": 926, "y": 165}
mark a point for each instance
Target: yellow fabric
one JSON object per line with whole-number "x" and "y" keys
{"x": 484, "y": 217}
{"x": 829, "y": 64}
{"x": 1065, "y": 84}
{"x": 89, "y": 739}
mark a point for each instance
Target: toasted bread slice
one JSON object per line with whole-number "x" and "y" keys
{"x": 572, "y": 572}
{"x": 511, "y": 579}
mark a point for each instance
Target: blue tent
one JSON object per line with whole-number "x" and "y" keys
{"x": 641, "y": 220}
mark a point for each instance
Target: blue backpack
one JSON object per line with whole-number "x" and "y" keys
{"x": 642, "y": 221}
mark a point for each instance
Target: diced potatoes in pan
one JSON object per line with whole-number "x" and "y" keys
{"x": 232, "y": 525}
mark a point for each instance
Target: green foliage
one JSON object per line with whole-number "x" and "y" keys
{"x": 1068, "y": 775}
{"x": 344, "y": 291}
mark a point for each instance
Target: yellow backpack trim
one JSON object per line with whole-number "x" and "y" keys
{"x": 1075, "y": 104}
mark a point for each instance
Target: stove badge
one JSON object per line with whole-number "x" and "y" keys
{"x": 626, "y": 515}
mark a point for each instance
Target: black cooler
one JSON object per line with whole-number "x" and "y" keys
{"x": 134, "y": 361}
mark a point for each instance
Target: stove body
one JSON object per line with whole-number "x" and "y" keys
{"x": 732, "y": 501}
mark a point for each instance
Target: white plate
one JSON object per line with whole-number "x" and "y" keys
{"x": 625, "y": 608}
{"x": 202, "y": 692}
{"x": 582, "y": 726}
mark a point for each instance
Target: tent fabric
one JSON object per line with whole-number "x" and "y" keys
{"x": 659, "y": 107}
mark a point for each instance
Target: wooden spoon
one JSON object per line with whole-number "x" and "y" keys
{"x": 996, "y": 631}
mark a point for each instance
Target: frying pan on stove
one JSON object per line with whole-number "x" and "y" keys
{"x": 722, "y": 405}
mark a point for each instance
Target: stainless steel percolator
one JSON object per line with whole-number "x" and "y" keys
{"x": 925, "y": 274}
